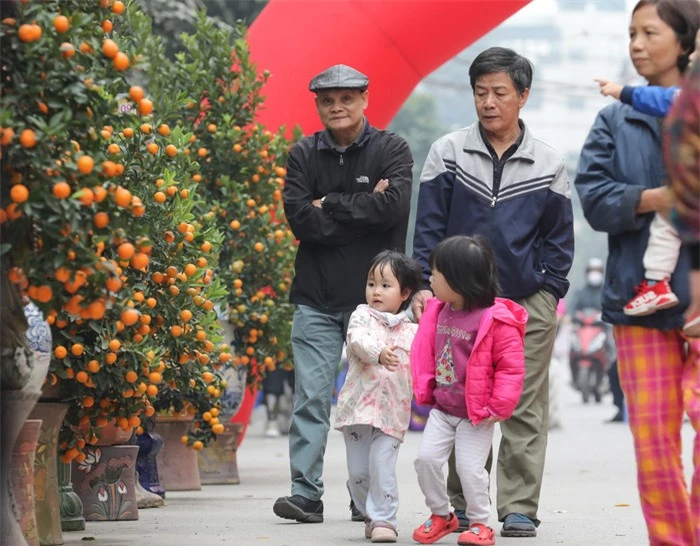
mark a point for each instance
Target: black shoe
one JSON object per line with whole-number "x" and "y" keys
{"x": 299, "y": 508}
{"x": 518, "y": 525}
{"x": 619, "y": 418}
{"x": 355, "y": 514}
{"x": 463, "y": 521}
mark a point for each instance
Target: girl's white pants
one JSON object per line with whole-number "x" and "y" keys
{"x": 371, "y": 456}
{"x": 472, "y": 445}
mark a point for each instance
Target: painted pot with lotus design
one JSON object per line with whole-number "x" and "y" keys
{"x": 105, "y": 483}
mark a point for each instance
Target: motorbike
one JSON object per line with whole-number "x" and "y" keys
{"x": 590, "y": 352}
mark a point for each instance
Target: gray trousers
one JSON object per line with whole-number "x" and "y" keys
{"x": 372, "y": 456}
{"x": 317, "y": 344}
{"x": 521, "y": 453}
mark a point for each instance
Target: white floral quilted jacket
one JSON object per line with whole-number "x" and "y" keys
{"x": 373, "y": 395}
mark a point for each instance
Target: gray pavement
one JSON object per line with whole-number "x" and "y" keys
{"x": 589, "y": 495}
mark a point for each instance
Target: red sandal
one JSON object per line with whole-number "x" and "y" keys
{"x": 435, "y": 528}
{"x": 478, "y": 533}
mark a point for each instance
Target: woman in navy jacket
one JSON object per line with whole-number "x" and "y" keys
{"x": 621, "y": 181}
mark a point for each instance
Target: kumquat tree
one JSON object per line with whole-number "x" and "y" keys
{"x": 101, "y": 219}
{"x": 241, "y": 176}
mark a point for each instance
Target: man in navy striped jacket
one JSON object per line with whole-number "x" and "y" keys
{"x": 496, "y": 179}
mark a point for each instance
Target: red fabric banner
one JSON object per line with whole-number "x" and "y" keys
{"x": 395, "y": 42}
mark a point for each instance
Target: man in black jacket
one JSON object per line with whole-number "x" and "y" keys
{"x": 346, "y": 197}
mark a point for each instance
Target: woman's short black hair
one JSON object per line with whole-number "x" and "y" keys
{"x": 469, "y": 267}
{"x": 502, "y": 59}
{"x": 683, "y": 16}
{"x": 405, "y": 269}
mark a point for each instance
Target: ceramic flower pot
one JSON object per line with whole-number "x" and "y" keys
{"x": 232, "y": 398}
{"x": 46, "y": 497}
{"x": 238, "y": 401}
{"x": 15, "y": 407}
{"x": 93, "y": 478}
{"x": 217, "y": 462}
{"x": 177, "y": 463}
{"x": 23, "y": 479}
{"x": 242, "y": 416}
{"x": 39, "y": 340}
{"x": 105, "y": 482}
{"x": 150, "y": 443}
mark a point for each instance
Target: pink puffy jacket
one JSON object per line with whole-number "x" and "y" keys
{"x": 496, "y": 367}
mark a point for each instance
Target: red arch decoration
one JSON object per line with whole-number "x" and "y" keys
{"x": 396, "y": 43}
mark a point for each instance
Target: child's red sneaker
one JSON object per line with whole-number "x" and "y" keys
{"x": 435, "y": 528}
{"x": 478, "y": 533}
{"x": 652, "y": 296}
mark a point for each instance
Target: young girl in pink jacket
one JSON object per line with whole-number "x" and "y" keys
{"x": 467, "y": 361}
{"x": 374, "y": 405}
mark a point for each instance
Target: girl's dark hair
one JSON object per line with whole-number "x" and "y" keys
{"x": 502, "y": 59}
{"x": 405, "y": 269}
{"x": 683, "y": 16}
{"x": 469, "y": 267}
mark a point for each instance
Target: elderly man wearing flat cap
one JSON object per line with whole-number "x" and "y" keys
{"x": 347, "y": 195}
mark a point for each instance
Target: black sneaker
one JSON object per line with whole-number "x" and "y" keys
{"x": 299, "y": 508}
{"x": 463, "y": 521}
{"x": 355, "y": 514}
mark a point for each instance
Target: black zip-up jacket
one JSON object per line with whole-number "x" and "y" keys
{"x": 337, "y": 243}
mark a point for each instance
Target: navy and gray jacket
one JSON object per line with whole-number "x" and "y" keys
{"x": 528, "y": 218}
{"x": 621, "y": 158}
{"x": 338, "y": 242}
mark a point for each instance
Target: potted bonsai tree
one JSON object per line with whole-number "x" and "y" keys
{"x": 124, "y": 276}
{"x": 242, "y": 176}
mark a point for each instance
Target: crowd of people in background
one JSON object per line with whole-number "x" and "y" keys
{"x": 469, "y": 324}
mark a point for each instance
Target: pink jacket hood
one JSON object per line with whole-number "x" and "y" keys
{"x": 496, "y": 367}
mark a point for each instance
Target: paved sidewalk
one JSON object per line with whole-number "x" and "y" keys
{"x": 589, "y": 495}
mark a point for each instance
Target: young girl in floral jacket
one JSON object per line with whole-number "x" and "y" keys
{"x": 374, "y": 405}
{"x": 468, "y": 361}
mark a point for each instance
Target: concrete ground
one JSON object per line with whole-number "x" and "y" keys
{"x": 589, "y": 495}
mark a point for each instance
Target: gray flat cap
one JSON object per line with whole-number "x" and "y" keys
{"x": 339, "y": 76}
